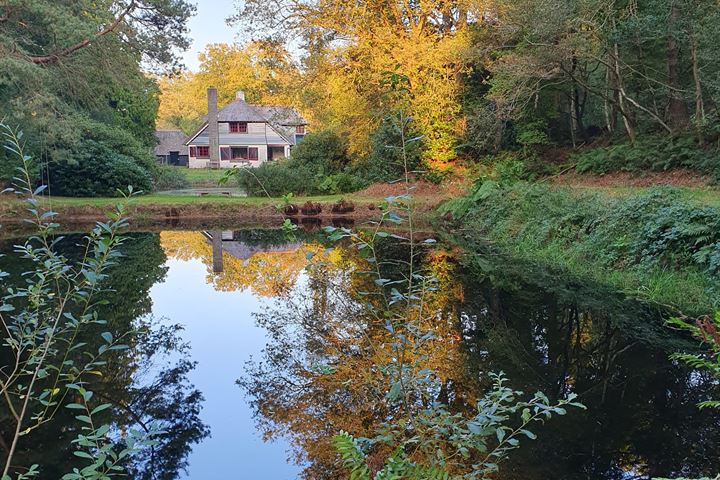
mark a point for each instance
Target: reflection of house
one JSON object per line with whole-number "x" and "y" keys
{"x": 171, "y": 149}
{"x": 224, "y": 241}
{"x": 244, "y": 134}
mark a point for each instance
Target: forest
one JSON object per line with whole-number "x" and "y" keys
{"x": 533, "y": 85}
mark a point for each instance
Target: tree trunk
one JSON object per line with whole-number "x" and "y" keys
{"x": 678, "y": 115}
{"x": 699, "y": 103}
{"x": 628, "y": 119}
{"x": 610, "y": 110}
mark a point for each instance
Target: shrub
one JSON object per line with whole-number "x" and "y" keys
{"x": 385, "y": 161}
{"x": 171, "y": 178}
{"x": 323, "y": 152}
{"x": 277, "y": 178}
{"x": 98, "y": 176}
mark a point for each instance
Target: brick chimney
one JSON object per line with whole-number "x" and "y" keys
{"x": 213, "y": 129}
{"x": 240, "y": 95}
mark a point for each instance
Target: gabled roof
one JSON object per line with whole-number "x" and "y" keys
{"x": 239, "y": 111}
{"x": 169, "y": 141}
{"x": 276, "y": 116}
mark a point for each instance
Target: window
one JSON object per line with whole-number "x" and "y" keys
{"x": 238, "y": 127}
{"x": 203, "y": 152}
{"x": 300, "y": 129}
{"x": 243, "y": 153}
{"x": 193, "y": 152}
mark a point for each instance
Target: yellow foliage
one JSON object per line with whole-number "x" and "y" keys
{"x": 263, "y": 70}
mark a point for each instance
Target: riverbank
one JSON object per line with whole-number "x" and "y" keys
{"x": 657, "y": 244}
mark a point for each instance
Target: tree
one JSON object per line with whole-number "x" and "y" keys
{"x": 263, "y": 70}
{"x": 71, "y": 72}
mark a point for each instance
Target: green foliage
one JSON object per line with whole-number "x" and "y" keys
{"x": 323, "y": 152}
{"x": 655, "y": 233}
{"x": 654, "y": 154}
{"x": 319, "y": 164}
{"x": 98, "y": 172}
{"x": 386, "y": 160}
{"x": 44, "y": 319}
{"x": 171, "y": 178}
{"x": 707, "y": 330}
{"x": 73, "y": 106}
{"x": 438, "y": 443}
{"x": 277, "y": 178}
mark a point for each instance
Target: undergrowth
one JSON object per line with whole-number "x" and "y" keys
{"x": 655, "y": 245}
{"x": 653, "y": 154}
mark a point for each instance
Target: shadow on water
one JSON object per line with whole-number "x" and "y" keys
{"x": 316, "y": 375}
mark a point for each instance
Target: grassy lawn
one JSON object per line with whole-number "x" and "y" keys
{"x": 203, "y": 175}
{"x": 155, "y": 199}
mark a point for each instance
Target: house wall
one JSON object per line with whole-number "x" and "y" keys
{"x": 204, "y": 162}
{"x": 258, "y": 135}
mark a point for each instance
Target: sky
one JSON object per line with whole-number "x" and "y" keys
{"x": 208, "y": 26}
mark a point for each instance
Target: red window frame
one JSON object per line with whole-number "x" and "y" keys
{"x": 300, "y": 129}
{"x": 203, "y": 152}
{"x": 238, "y": 127}
{"x": 251, "y": 154}
{"x": 193, "y": 152}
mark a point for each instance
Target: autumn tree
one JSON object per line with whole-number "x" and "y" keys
{"x": 263, "y": 70}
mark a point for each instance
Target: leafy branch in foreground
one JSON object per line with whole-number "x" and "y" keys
{"x": 707, "y": 330}
{"x": 43, "y": 322}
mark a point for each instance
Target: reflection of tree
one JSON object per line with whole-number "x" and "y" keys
{"x": 321, "y": 370}
{"x": 139, "y": 390}
{"x": 265, "y": 273}
{"x": 556, "y": 335}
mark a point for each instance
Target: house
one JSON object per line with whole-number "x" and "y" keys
{"x": 171, "y": 149}
{"x": 241, "y": 134}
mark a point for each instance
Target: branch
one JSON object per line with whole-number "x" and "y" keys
{"x": 55, "y": 57}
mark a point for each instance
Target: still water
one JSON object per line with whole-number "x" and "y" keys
{"x": 239, "y": 333}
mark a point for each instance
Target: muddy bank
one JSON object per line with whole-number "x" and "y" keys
{"x": 199, "y": 216}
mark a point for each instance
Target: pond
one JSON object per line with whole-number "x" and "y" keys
{"x": 254, "y": 352}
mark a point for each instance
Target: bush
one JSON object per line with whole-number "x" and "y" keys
{"x": 278, "y": 178}
{"x": 655, "y": 154}
{"x": 319, "y": 164}
{"x": 385, "y": 161}
{"x": 98, "y": 176}
{"x": 171, "y": 178}
{"x": 323, "y": 152}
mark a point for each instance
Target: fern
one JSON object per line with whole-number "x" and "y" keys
{"x": 352, "y": 456}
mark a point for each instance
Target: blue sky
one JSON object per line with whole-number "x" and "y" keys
{"x": 208, "y": 26}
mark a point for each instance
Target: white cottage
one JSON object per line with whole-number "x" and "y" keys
{"x": 241, "y": 134}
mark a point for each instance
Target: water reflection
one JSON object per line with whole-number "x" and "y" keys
{"x": 299, "y": 308}
{"x": 146, "y": 383}
{"x": 319, "y": 374}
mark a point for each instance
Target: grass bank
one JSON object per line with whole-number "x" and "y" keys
{"x": 658, "y": 244}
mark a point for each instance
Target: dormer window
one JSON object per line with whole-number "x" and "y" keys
{"x": 238, "y": 127}
{"x": 300, "y": 129}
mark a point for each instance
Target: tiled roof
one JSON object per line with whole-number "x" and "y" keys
{"x": 239, "y": 111}
{"x": 276, "y": 115}
{"x": 169, "y": 141}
